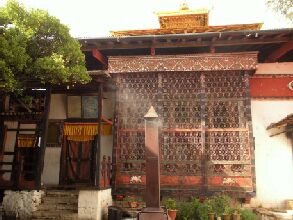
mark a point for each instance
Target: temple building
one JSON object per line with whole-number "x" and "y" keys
{"x": 224, "y": 98}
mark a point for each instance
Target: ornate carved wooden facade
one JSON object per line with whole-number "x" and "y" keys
{"x": 204, "y": 107}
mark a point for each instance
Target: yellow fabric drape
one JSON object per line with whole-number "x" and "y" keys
{"x": 26, "y": 140}
{"x": 84, "y": 131}
{"x": 106, "y": 129}
{"x": 80, "y": 129}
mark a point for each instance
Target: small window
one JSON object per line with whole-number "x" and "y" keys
{"x": 82, "y": 107}
{"x": 54, "y": 134}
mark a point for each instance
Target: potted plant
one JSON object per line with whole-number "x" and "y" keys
{"x": 202, "y": 211}
{"x": 171, "y": 207}
{"x": 218, "y": 203}
{"x": 227, "y": 213}
{"x": 236, "y": 214}
{"x": 211, "y": 213}
{"x": 247, "y": 214}
{"x": 132, "y": 201}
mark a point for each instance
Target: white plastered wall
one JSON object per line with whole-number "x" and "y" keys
{"x": 50, "y": 175}
{"x": 93, "y": 204}
{"x": 273, "y": 155}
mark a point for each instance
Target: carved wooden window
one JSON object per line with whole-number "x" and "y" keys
{"x": 205, "y": 138}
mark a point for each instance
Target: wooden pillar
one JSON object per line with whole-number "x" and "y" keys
{"x": 152, "y": 159}
{"x": 97, "y": 155}
{"x": 152, "y": 210}
{"x": 44, "y": 129}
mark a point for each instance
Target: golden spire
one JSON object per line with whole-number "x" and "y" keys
{"x": 184, "y": 6}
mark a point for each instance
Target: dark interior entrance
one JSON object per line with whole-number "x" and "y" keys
{"x": 76, "y": 167}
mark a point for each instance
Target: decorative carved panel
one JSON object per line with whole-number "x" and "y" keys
{"x": 194, "y": 62}
{"x": 205, "y": 141}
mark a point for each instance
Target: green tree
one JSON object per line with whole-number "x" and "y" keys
{"x": 36, "y": 46}
{"x": 285, "y": 7}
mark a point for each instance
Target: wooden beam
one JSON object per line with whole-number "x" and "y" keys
{"x": 190, "y": 43}
{"x": 41, "y": 154}
{"x": 277, "y": 54}
{"x": 97, "y": 154}
{"x": 100, "y": 57}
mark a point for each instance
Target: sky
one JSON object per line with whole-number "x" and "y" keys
{"x": 95, "y": 18}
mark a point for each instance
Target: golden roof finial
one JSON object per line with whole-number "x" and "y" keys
{"x": 184, "y": 5}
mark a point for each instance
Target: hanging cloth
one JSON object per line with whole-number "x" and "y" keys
{"x": 85, "y": 131}
{"x": 26, "y": 140}
{"x": 80, "y": 131}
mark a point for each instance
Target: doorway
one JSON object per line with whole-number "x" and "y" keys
{"x": 76, "y": 166}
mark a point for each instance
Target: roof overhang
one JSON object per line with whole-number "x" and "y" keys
{"x": 283, "y": 126}
{"x": 227, "y": 38}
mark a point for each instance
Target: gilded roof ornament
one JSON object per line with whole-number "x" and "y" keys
{"x": 186, "y": 21}
{"x": 184, "y": 6}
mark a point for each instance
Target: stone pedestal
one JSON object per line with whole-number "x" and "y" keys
{"x": 93, "y": 204}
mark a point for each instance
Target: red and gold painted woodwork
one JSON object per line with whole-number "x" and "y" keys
{"x": 186, "y": 21}
{"x": 271, "y": 86}
{"x": 162, "y": 31}
{"x": 191, "y": 62}
{"x": 205, "y": 133}
{"x": 183, "y": 18}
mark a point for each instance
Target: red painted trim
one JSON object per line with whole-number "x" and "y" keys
{"x": 270, "y": 87}
{"x": 277, "y": 54}
{"x": 100, "y": 57}
{"x": 153, "y": 51}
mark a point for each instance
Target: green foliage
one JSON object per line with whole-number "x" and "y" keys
{"x": 202, "y": 211}
{"x": 228, "y": 210}
{"x": 36, "y": 46}
{"x": 247, "y": 214}
{"x": 219, "y": 203}
{"x": 193, "y": 210}
{"x": 185, "y": 211}
{"x": 27, "y": 100}
{"x": 282, "y": 6}
{"x": 170, "y": 203}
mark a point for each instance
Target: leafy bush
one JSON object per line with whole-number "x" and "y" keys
{"x": 228, "y": 210}
{"x": 170, "y": 203}
{"x": 202, "y": 211}
{"x": 193, "y": 210}
{"x": 247, "y": 214}
{"x": 185, "y": 211}
{"x": 219, "y": 203}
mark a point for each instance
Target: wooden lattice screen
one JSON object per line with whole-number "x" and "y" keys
{"x": 205, "y": 135}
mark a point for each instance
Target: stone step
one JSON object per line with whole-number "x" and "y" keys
{"x": 64, "y": 217}
{"x": 50, "y": 200}
{"x": 58, "y": 204}
{"x": 50, "y": 207}
{"x": 52, "y": 214}
{"x": 61, "y": 193}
